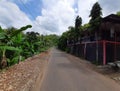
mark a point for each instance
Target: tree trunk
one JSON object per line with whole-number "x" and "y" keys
{"x": 4, "y": 60}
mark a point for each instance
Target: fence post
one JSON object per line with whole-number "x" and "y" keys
{"x": 115, "y": 51}
{"x": 96, "y": 37}
{"x": 104, "y": 52}
{"x": 85, "y": 50}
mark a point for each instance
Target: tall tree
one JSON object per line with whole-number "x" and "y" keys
{"x": 95, "y": 15}
{"x": 95, "y": 21}
{"x": 78, "y": 22}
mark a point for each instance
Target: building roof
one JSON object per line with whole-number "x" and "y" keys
{"x": 111, "y": 18}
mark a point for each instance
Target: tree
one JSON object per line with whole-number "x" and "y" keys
{"x": 6, "y": 43}
{"x": 95, "y": 21}
{"x": 31, "y": 45}
{"x": 78, "y": 22}
{"x": 85, "y": 27}
{"x": 95, "y": 15}
{"x": 71, "y": 33}
{"x": 62, "y": 44}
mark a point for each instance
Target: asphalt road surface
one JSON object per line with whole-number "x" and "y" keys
{"x": 65, "y": 74}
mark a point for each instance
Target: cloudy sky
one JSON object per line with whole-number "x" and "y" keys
{"x": 50, "y": 16}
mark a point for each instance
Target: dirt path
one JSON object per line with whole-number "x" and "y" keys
{"x": 23, "y": 76}
{"x": 65, "y": 73}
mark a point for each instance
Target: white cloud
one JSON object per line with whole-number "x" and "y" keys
{"x": 109, "y": 6}
{"x": 12, "y": 16}
{"x": 63, "y": 13}
{"x": 84, "y": 9}
{"x": 56, "y": 17}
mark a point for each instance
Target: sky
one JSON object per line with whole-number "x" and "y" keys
{"x": 50, "y": 16}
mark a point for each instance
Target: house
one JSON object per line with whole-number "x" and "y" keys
{"x": 104, "y": 47}
{"x": 110, "y": 28}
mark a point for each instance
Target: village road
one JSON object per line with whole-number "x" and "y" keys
{"x": 65, "y": 74}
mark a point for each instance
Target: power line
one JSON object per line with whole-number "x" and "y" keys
{"x": 25, "y": 7}
{"x": 30, "y": 13}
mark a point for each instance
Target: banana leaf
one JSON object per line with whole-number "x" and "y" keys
{"x": 10, "y": 48}
{"x": 20, "y": 30}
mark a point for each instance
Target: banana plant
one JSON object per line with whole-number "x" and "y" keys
{"x": 3, "y": 49}
{"x": 7, "y": 43}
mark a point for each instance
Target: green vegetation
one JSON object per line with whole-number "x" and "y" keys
{"x": 118, "y": 13}
{"x": 75, "y": 34}
{"x": 95, "y": 15}
{"x": 15, "y": 46}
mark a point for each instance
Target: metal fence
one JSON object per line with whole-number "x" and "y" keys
{"x": 100, "y": 52}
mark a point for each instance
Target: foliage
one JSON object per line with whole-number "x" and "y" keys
{"x": 51, "y": 39}
{"x": 62, "y": 44}
{"x": 75, "y": 34}
{"x": 78, "y": 22}
{"x": 7, "y": 44}
{"x": 118, "y": 13}
{"x": 16, "y": 46}
{"x": 96, "y": 11}
{"x": 71, "y": 35}
{"x": 85, "y": 27}
{"x": 95, "y": 15}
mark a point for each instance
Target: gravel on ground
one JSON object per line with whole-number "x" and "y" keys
{"x": 23, "y": 76}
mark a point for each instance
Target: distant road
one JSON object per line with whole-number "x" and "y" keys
{"x": 64, "y": 74}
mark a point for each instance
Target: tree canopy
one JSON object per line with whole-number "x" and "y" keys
{"x": 15, "y": 45}
{"x": 75, "y": 34}
{"x": 78, "y": 22}
{"x": 95, "y": 14}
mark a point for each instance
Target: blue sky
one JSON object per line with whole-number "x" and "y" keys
{"x": 32, "y": 8}
{"x": 50, "y": 16}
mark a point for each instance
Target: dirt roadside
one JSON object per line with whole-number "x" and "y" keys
{"x": 25, "y": 75}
